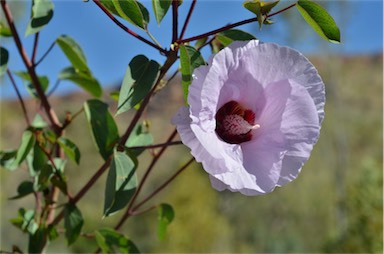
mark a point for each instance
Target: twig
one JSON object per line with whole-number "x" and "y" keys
{"x": 55, "y": 123}
{"x": 165, "y": 184}
{"x": 126, "y": 29}
{"x": 175, "y": 6}
{"x": 143, "y": 180}
{"x": 227, "y": 27}
{"x": 20, "y": 98}
{"x": 187, "y": 19}
{"x": 156, "y": 145}
{"x": 34, "y": 51}
{"x": 45, "y": 54}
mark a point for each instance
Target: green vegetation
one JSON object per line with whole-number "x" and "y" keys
{"x": 335, "y": 205}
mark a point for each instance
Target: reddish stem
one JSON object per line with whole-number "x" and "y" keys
{"x": 187, "y": 19}
{"x": 128, "y": 212}
{"x": 19, "y": 97}
{"x": 35, "y": 43}
{"x": 227, "y": 27}
{"x": 165, "y": 184}
{"x": 126, "y": 29}
{"x": 175, "y": 5}
{"x": 31, "y": 71}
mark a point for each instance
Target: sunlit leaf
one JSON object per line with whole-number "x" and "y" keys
{"x": 139, "y": 78}
{"x": 4, "y": 57}
{"x": 260, "y": 8}
{"x": 7, "y": 159}
{"x": 190, "y": 59}
{"x": 43, "y": 80}
{"x": 121, "y": 183}
{"x": 70, "y": 149}
{"x": 74, "y": 53}
{"x": 84, "y": 80}
{"x": 36, "y": 160}
{"x": 38, "y": 122}
{"x": 108, "y": 240}
{"x": 73, "y": 222}
{"x": 160, "y": 8}
{"x": 24, "y": 189}
{"x": 103, "y": 126}
{"x": 37, "y": 240}
{"x": 133, "y": 12}
{"x": 5, "y": 31}
{"x": 165, "y": 217}
{"x": 319, "y": 19}
{"x": 27, "y": 142}
{"x": 42, "y": 13}
{"x": 139, "y": 137}
{"x": 229, "y": 36}
{"x": 25, "y": 221}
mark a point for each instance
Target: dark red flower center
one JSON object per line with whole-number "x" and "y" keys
{"x": 234, "y": 123}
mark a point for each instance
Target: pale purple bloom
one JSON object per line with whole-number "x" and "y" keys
{"x": 254, "y": 115}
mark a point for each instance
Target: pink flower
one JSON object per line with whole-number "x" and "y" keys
{"x": 254, "y": 116}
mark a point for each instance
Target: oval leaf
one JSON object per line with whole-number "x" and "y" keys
{"x": 73, "y": 222}
{"x": 319, "y": 19}
{"x": 103, "y": 126}
{"x": 190, "y": 59}
{"x": 229, "y": 36}
{"x": 70, "y": 149}
{"x": 121, "y": 183}
{"x": 74, "y": 53}
{"x": 139, "y": 137}
{"x": 160, "y": 8}
{"x": 24, "y": 189}
{"x": 108, "y": 238}
{"x": 42, "y": 13}
{"x": 84, "y": 80}
{"x": 139, "y": 78}
{"x": 27, "y": 142}
{"x": 43, "y": 80}
{"x": 4, "y": 56}
{"x": 165, "y": 217}
{"x": 133, "y": 12}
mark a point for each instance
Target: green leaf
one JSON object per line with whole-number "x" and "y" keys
{"x": 37, "y": 240}
{"x": 38, "y": 122}
{"x": 229, "y": 36}
{"x": 74, "y": 53}
{"x": 121, "y": 183}
{"x": 160, "y": 8}
{"x": 103, "y": 126}
{"x": 139, "y": 78}
{"x": 5, "y": 31}
{"x": 60, "y": 183}
{"x": 139, "y": 137}
{"x": 7, "y": 159}
{"x": 43, "y": 80}
{"x": 84, "y": 79}
{"x": 70, "y": 149}
{"x": 190, "y": 59}
{"x": 36, "y": 160}
{"x": 52, "y": 232}
{"x": 24, "y": 189}
{"x": 25, "y": 221}
{"x": 319, "y": 19}
{"x": 165, "y": 217}
{"x": 133, "y": 12}
{"x": 42, "y": 13}
{"x": 261, "y": 9}
{"x": 27, "y": 142}
{"x": 4, "y": 57}
{"x": 108, "y": 238}
{"x": 73, "y": 222}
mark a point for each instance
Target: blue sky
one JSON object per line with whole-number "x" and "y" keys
{"x": 109, "y": 49}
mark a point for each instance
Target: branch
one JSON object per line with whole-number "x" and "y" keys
{"x": 187, "y": 19}
{"x": 20, "y": 98}
{"x": 31, "y": 71}
{"x": 165, "y": 184}
{"x": 143, "y": 180}
{"x": 227, "y": 27}
{"x": 126, "y": 29}
{"x": 156, "y": 145}
{"x": 175, "y": 5}
{"x": 35, "y": 43}
{"x": 45, "y": 54}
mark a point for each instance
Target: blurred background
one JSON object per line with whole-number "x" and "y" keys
{"x": 336, "y": 203}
